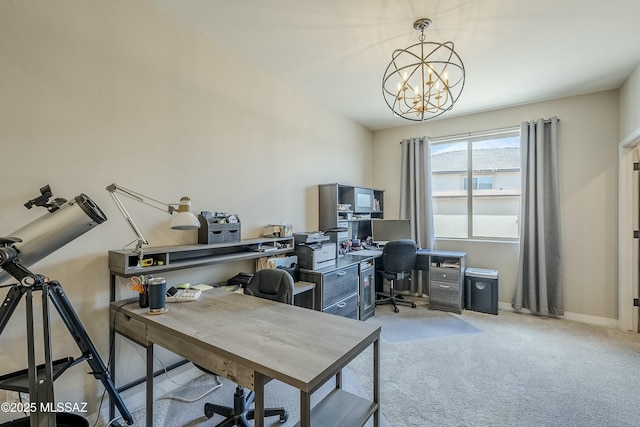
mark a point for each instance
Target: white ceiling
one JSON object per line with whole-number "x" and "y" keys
{"x": 514, "y": 51}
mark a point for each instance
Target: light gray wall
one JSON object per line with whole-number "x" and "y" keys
{"x": 589, "y": 136}
{"x": 114, "y": 91}
{"x": 98, "y": 92}
{"x": 630, "y": 105}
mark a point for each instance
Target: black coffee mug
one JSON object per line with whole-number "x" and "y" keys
{"x": 156, "y": 290}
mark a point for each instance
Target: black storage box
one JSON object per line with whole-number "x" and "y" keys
{"x": 481, "y": 290}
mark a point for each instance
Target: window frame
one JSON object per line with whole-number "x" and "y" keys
{"x": 470, "y": 138}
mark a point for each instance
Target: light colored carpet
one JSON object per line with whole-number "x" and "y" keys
{"x": 172, "y": 409}
{"x": 521, "y": 370}
{"x": 472, "y": 369}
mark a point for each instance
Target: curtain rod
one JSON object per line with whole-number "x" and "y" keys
{"x": 477, "y": 134}
{"x": 480, "y": 133}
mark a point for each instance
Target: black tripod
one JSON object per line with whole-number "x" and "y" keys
{"x": 38, "y": 380}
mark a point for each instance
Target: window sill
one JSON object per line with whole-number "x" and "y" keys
{"x": 478, "y": 240}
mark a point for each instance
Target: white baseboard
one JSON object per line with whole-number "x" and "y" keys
{"x": 578, "y": 317}
{"x": 592, "y": 320}
{"x": 136, "y": 398}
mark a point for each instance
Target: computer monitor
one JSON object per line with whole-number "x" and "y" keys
{"x": 385, "y": 230}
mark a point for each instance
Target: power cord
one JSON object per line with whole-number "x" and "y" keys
{"x": 111, "y": 353}
{"x": 182, "y": 399}
{"x": 177, "y": 398}
{"x": 166, "y": 373}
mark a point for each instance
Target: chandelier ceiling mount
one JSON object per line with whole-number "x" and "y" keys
{"x": 422, "y": 24}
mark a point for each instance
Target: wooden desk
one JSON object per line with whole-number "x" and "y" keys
{"x": 248, "y": 340}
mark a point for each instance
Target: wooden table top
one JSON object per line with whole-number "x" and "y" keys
{"x": 298, "y": 346}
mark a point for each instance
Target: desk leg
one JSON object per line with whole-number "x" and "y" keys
{"x": 376, "y": 381}
{"x": 258, "y": 383}
{"x": 112, "y": 338}
{"x": 305, "y": 409}
{"x": 112, "y": 370}
{"x": 150, "y": 385}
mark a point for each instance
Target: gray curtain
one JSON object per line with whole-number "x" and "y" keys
{"x": 415, "y": 199}
{"x": 539, "y": 281}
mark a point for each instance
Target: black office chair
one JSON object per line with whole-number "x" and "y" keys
{"x": 398, "y": 259}
{"x": 271, "y": 283}
{"x": 276, "y": 285}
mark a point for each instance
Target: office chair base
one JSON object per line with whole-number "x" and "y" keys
{"x": 394, "y": 301}
{"x": 239, "y": 415}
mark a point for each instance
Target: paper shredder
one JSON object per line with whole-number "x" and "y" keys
{"x": 481, "y": 290}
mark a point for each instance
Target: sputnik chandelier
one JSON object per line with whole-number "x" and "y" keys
{"x": 424, "y": 80}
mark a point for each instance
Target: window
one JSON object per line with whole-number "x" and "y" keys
{"x": 489, "y": 208}
{"x": 479, "y": 182}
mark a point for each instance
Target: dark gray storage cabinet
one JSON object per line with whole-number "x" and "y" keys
{"x": 350, "y": 207}
{"x": 481, "y": 290}
{"x": 336, "y": 288}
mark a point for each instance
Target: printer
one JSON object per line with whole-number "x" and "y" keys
{"x": 314, "y": 250}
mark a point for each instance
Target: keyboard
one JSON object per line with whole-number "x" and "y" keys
{"x": 184, "y": 295}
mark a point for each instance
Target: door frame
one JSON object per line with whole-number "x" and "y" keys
{"x": 628, "y": 220}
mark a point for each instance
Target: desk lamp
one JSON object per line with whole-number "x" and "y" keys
{"x": 185, "y": 220}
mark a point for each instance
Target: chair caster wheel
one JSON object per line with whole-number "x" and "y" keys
{"x": 208, "y": 413}
{"x": 284, "y": 418}
{"x": 396, "y": 310}
{"x": 413, "y": 305}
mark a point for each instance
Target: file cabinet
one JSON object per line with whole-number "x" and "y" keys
{"x": 336, "y": 288}
{"x": 446, "y": 281}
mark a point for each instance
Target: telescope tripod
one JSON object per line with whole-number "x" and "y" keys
{"x": 38, "y": 380}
